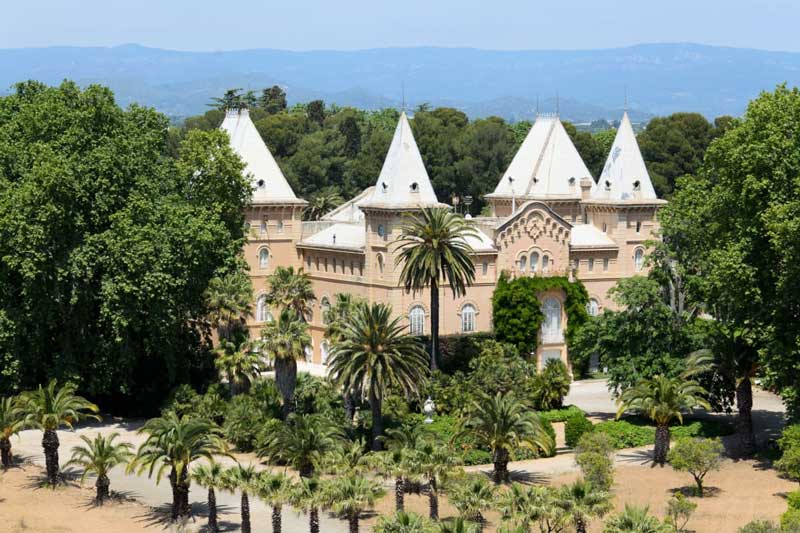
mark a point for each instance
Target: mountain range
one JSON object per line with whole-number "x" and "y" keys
{"x": 583, "y": 85}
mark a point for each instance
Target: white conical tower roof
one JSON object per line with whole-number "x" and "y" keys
{"x": 269, "y": 183}
{"x": 403, "y": 181}
{"x": 547, "y": 164}
{"x": 625, "y": 175}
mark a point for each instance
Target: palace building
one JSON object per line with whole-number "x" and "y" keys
{"x": 548, "y": 217}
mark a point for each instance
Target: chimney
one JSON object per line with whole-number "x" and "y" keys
{"x": 586, "y": 188}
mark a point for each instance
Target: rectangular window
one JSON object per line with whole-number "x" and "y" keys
{"x": 605, "y": 264}
{"x": 591, "y": 264}
{"x": 485, "y": 268}
{"x": 326, "y": 264}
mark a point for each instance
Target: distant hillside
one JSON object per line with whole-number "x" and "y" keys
{"x": 591, "y": 84}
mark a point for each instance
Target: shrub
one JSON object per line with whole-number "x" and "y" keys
{"x": 696, "y": 456}
{"x": 185, "y": 401}
{"x": 760, "y": 526}
{"x": 633, "y": 432}
{"x": 594, "y": 455}
{"x": 679, "y": 510}
{"x": 457, "y": 351}
{"x": 790, "y": 437}
{"x": 552, "y": 385}
{"x": 790, "y": 521}
{"x": 243, "y": 421}
{"x": 576, "y": 425}
{"x": 315, "y": 395}
{"x": 793, "y": 499}
{"x": 561, "y": 414}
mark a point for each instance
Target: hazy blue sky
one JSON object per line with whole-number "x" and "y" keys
{"x": 349, "y": 24}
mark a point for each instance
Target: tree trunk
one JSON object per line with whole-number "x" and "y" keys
{"x": 50, "y": 445}
{"x": 102, "y": 485}
{"x": 313, "y": 520}
{"x": 286, "y": 379}
{"x": 479, "y": 520}
{"x": 580, "y": 526}
{"x": 349, "y": 407}
{"x": 744, "y": 422}
{"x": 180, "y": 495}
{"x": 306, "y": 470}
{"x": 212, "y": 511}
{"x": 434, "y": 324}
{"x": 433, "y": 500}
{"x": 245, "y": 513}
{"x": 399, "y": 494}
{"x": 662, "y": 445}
{"x": 699, "y": 482}
{"x": 500, "y": 460}
{"x": 5, "y": 452}
{"x": 353, "y": 522}
{"x": 377, "y": 421}
{"x": 276, "y": 519}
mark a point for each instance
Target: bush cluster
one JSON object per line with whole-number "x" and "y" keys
{"x": 633, "y": 432}
{"x": 575, "y": 427}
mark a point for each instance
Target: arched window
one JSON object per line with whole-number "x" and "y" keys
{"x": 534, "y": 261}
{"x": 551, "y": 325}
{"x": 324, "y": 348}
{"x": 261, "y": 309}
{"x": 638, "y": 259}
{"x": 416, "y": 320}
{"x": 380, "y": 264}
{"x": 523, "y": 262}
{"x": 545, "y": 263}
{"x": 325, "y": 307}
{"x": 263, "y": 258}
{"x": 593, "y": 307}
{"x": 468, "y": 318}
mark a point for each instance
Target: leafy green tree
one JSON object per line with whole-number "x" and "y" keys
{"x": 472, "y": 497}
{"x": 635, "y": 520}
{"x": 605, "y": 140}
{"x": 98, "y": 456}
{"x": 172, "y": 444}
{"x": 232, "y": 99}
{"x": 316, "y": 111}
{"x": 679, "y": 510}
{"x": 351, "y": 132}
{"x": 229, "y": 298}
{"x": 273, "y": 100}
{"x": 49, "y": 408}
{"x": 760, "y": 526}
{"x": 319, "y": 162}
{"x": 350, "y": 496}
{"x": 239, "y": 363}
{"x": 595, "y": 457}
{"x": 502, "y": 423}
{"x": 582, "y": 502}
{"x": 284, "y": 341}
{"x": 307, "y": 496}
{"x": 696, "y": 456}
{"x": 11, "y": 423}
{"x": 211, "y": 477}
{"x": 433, "y": 249}
{"x": 245, "y": 479}
{"x": 402, "y": 522}
{"x": 302, "y": 442}
{"x": 375, "y": 356}
{"x": 590, "y": 150}
{"x": 275, "y": 490}
{"x": 282, "y": 133}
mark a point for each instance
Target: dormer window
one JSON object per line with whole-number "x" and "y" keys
{"x": 572, "y": 181}
{"x": 415, "y": 187}
{"x": 637, "y": 185}
{"x": 261, "y": 184}
{"x": 608, "y": 185}
{"x": 381, "y": 231}
{"x": 384, "y": 187}
{"x": 536, "y": 180}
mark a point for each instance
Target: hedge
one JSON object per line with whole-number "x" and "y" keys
{"x": 633, "y": 432}
{"x": 560, "y": 415}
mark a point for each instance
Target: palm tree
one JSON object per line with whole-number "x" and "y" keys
{"x": 245, "y": 480}
{"x": 291, "y": 289}
{"x": 49, "y": 408}
{"x": 501, "y": 423}
{"x": 348, "y": 458}
{"x": 434, "y": 248}
{"x": 11, "y": 423}
{"x": 375, "y": 356}
{"x": 322, "y": 202}
{"x": 472, "y": 497}
{"x": 337, "y": 316}
{"x": 302, "y": 442}
{"x": 228, "y": 299}
{"x": 635, "y": 520}
{"x": 663, "y": 399}
{"x": 275, "y": 490}
{"x": 239, "y": 363}
{"x": 210, "y": 476}
{"x": 402, "y": 522}
{"x": 99, "y": 456}
{"x": 172, "y": 444}
{"x": 285, "y": 341}
{"x": 436, "y": 464}
{"x": 523, "y": 506}
{"x": 582, "y": 502}
{"x": 401, "y": 443}
{"x": 456, "y": 525}
{"x": 307, "y": 496}
{"x": 350, "y": 496}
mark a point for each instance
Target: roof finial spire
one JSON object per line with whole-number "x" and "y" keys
{"x": 403, "y": 91}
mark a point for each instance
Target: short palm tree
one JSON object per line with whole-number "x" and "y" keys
{"x": 302, "y": 442}
{"x": 307, "y": 496}
{"x": 434, "y": 249}
{"x": 11, "y": 423}
{"x": 291, "y": 289}
{"x": 49, "y": 408}
{"x": 210, "y": 476}
{"x": 663, "y": 399}
{"x": 239, "y": 363}
{"x": 172, "y": 444}
{"x": 456, "y": 525}
{"x": 635, "y": 520}
{"x": 502, "y": 422}
{"x": 521, "y": 507}
{"x": 349, "y": 496}
{"x": 472, "y": 497}
{"x": 436, "y": 464}
{"x": 98, "y": 457}
{"x": 582, "y": 502}
{"x": 395, "y": 464}
{"x": 375, "y": 356}
{"x": 275, "y": 490}
{"x": 351, "y": 456}
{"x": 285, "y": 341}
{"x": 402, "y": 522}
{"x": 228, "y": 300}
{"x": 245, "y": 479}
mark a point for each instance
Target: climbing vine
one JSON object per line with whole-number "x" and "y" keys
{"x": 518, "y": 313}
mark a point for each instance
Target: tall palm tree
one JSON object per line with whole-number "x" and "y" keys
{"x": 350, "y": 496}
{"x": 302, "y": 442}
{"x": 402, "y": 522}
{"x": 240, "y": 363}
{"x": 291, "y": 289}
{"x": 434, "y": 249}
{"x": 502, "y": 422}
{"x": 635, "y": 520}
{"x": 285, "y": 341}
{"x": 210, "y": 476}
{"x": 436, "y": 464}
{"x": 375, "y": 356}
{"x": 229, "y": 301}
{"x": 663, "y": 399}
{"x": 49, "y": 408}
{"x": 98, "y": 457}
{"x": 582, "y": 502}
{"x": 473, "y": 497}
{"x": 245, "y": 480}
{"x": 11, "y": 423}
{"x": 307, "y": 496}
{"x": 337, "y": 317}
{"x": 275, "y": 490}
{"x": 171, "y": 445}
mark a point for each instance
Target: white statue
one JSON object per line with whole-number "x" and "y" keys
{"x": 428, "y": 410}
